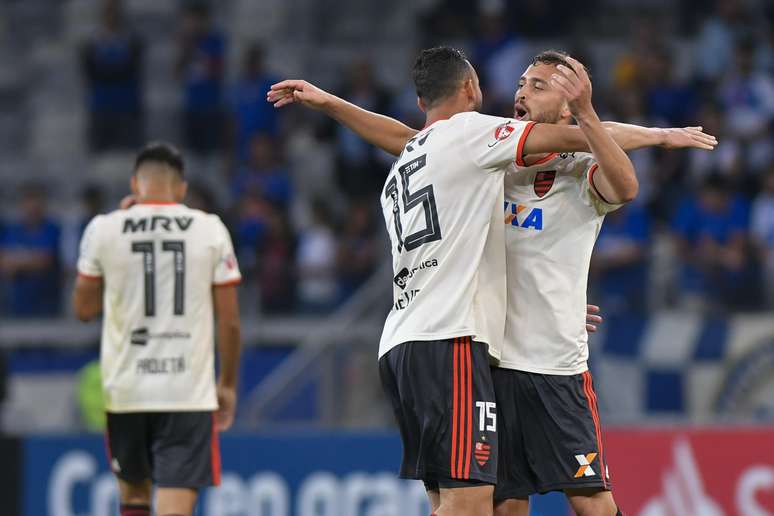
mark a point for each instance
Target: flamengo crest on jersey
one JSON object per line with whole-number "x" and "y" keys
{"x": 442, "y": 205}
{"x": 158, "y": 264}
{"x": 552, "y": 219}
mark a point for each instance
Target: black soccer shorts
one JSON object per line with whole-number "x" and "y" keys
{"x": 173, "y": 449}
{"x": 443, "y": 398}
{"x": 550, "y": 435}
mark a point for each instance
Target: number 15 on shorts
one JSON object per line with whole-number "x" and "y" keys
{"x": 487, "y": 416}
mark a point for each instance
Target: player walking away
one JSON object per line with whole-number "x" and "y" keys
{"x": 442, "y": 204}
{"x": 557, "y": 203}
{"x": 161, "y": 269}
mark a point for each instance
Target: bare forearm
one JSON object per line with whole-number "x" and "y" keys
{"x": 381, "y": 131}
{"x": 631, "y": 137}
{"x": 615, "y": 179}
{"x": 229, "y": 350}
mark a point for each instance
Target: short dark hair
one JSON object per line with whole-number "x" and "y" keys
{"x": 555, "y": 57}
{"x": 438, "y": 72}
{"x": 160, "y": 152}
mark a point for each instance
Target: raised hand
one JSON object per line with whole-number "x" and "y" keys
{"x": 688, "y": 137}
{"x": 298, "y": 91}
{"x": 575, "y": 85}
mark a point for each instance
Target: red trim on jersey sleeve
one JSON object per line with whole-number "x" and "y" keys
{"x": 229, "y": 283}
{"x": 593, "y": 169}
{"x": 89, "y": 277}
{"x": 522, "y": 141}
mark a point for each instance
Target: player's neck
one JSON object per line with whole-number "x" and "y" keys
{"x": 156, "y": 198}
{"x": 441, "y": 112}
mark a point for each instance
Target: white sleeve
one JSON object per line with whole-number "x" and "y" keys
{"x": 588, "y": 166}
{"x": 89, "y": 260}
{"x": 226, "y": 271}
{"x": 495, "y": 142}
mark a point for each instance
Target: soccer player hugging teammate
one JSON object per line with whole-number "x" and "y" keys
{"x": 439, "y": 201}
{"x": 162, "y": 273}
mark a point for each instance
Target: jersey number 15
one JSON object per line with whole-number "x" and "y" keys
{"x": 424, "y": 197}
{"x": 177, "y": 248}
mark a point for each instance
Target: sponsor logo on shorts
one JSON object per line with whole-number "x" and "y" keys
{"x": 482, "y": 453}
{"x": 585, "y": 465}
{"x": 115, "y": 466}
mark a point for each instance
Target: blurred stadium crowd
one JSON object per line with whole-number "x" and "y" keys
{"x": 299, "y": 192}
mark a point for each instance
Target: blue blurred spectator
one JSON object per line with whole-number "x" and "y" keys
{"x": 359, "y": 165}
{"x": 265, "y": 172}
{"x": 718, "y": 36}
{"x": 763, "y": 232}
{"x": 668, "y": 101}
{"x": 619, "y": 264}
{"x": 501, "y": 58}
{"x": 712, "y": 229}
{"x": 318, "y": 289}
{"x": 29, "y": 258}
{"x": 249, "y": 230}
{"x": 201, "y": 65}
{"x": 251, "y": 114}
{"x": 747, "y": 96}
{"x": 359, "y": 247}
{"x": 111, "y": 62}
{"x": 276, "y": 264}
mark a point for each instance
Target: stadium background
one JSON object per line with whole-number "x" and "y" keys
{"x": 684, "y": 364}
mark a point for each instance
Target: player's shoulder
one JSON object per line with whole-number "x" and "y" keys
{"x": 575, "y": 163}
{"x": 475, "y": 117}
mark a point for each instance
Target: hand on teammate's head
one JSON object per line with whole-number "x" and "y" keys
{"x": 574, "y": 83}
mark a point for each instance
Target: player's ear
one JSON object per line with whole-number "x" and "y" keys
{"x": 421, "y": 105}
{"x": 565, "y": 112}
{"x": 182, "y": 190}
{"x": 134, "y": 186}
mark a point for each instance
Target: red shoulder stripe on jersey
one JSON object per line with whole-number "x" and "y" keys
{"x": 89, "y": 277}
{"x": 228, "y": 283}
{"x": 520, "y": 146}
{"x": 215, "y": 453}
{"x": 593, "y": 169}
{"x": 469, "y": 440}
{"x": 455, "y": 393}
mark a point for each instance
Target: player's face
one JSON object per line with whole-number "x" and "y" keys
{"x": 536, "y": 99}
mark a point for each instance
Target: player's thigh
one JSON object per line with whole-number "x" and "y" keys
{"x": 433, "y": 495}
{"x": 443, "y": 398}
{"x": 186, "y": 452}
{"x": 475, "y": 500}
{"x": 512, "y": 507}
{"x": 129, "y": 451}
{"x": 562, "y": 432}
{"x": 515, "y": 478}
{"x": 591, "y": 502}
{"x": 175, "y": 501}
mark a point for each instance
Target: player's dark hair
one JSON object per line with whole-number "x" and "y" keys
{"x": 555, "y": 57}
{"x": 160, "y": 152}
{"x": 438, "y": 72}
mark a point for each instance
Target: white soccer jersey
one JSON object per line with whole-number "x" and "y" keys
{"x": 552, "y": 218}
{"x": 442, "y": 205}
{"x": 159, "y": 263}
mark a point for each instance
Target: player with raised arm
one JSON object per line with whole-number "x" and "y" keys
{"x": 164, "y": 275}
{"x": 442, "y": 204}
{"x": 549, "y": 435}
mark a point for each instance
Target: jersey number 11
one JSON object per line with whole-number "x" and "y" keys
{"x": 177, "y": 248}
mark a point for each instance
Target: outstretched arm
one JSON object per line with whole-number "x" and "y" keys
{"x": 379, "y": 130}
{"x": 632, "y": 137}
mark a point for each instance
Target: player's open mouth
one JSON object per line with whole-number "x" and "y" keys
{"x": 519, "y": 112}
